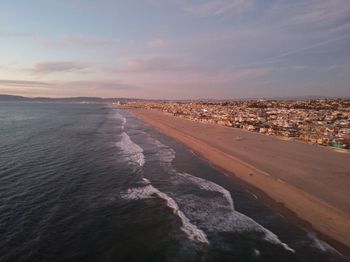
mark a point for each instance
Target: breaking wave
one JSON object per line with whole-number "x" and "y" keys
{"x": 209, "y": 186}
{"x": 214, "y": 212}
{"x": 149, "y": 191}
{"x": 321, "y": 245}
{"x": 160, "y": 152}
{"x": 198, "y": 212}
{"x": 120, "y": 118}
{"x": 133, "y": 152}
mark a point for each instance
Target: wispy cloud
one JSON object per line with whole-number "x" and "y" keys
{"x": 16, "y": 34}
{"x": 157, "y": 64}
{"x": 201, "y": 47}
{"x": 104, "y": 88}
{"x": 97, "y": 85}
{"x": 90, "y": 41}
{"x": 24, "y": 83}
{"x": 303, "y": 49}
{"x": 78, "y": 84}
{"x": 201, "y": 84}
{"x": 311, "y": 13}
{"x": 54, "y": 67}
{"x": 156, "y": 43}
{"x": 300, "y": 50}
{"x": 79, "y": 41}
{"x": 216, "y": 7}
{"x": 341, "y": 29}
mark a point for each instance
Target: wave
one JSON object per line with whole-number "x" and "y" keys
{"x": 321, "y": 245}
{"x": 209, "y": 186}
{"x": 214, "y": 212}
{"x": 161, "y": 152}
{"x": 121, "y": 118}
{"x": 131, "y": 150}
{"x": 149, "y": 191}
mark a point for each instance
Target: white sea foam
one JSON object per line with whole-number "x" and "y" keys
{"x": 144, "y": 191}
{"x": 121, "y": 118}
{"x": 213, "y": 217}
{"x": 216, "y": 214}
{"x": 321, "y": 245}
{"x": 139, "y": 193}
{"x": 256, "y": 252}
{"x": 149, "y": 191}
{"x": 212, "y": 213}
{"x": 162, "y": 152}
{"x": 209, "y": 186}
{"x": 131, "y": 150}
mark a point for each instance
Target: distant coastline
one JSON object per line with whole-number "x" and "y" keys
{"x": 12, "y": 98}
{"x": 121, "y": 100}
{"x": 323, "y": 122}
{"x": 303, "y": 188}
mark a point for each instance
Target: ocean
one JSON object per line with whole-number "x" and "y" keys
{"x": 87, "y": 182}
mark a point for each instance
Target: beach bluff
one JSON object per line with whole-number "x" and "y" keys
{"x": 325, "y": 122}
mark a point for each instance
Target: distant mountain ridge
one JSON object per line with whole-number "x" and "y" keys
{"x": 13, "y": 98}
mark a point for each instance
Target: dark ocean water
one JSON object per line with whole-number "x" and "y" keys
{"x": 86, "y": 182}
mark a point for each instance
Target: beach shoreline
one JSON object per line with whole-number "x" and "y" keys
{"x": 331, "y": 221}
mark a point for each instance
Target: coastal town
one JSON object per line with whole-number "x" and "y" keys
{"x": 325, "y": 122}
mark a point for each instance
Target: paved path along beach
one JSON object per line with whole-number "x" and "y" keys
{"x": 312, "y": 181}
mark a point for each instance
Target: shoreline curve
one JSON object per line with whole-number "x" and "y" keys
{"x": 324, "y": 218}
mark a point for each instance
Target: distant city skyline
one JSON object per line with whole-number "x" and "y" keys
{"x": 175, "y": 49}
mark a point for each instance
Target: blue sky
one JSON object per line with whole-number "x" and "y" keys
{"x": 176, "y": 49}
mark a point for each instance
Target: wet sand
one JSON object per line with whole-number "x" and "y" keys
{"x": 312, "y": 181}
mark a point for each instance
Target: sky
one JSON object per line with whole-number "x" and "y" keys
{"x": 175, "y": 49}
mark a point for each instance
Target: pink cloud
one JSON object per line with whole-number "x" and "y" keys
{"x": 216, "y": 7}
{"x": 54, "y": 67}
{"x": 157, "y": 64}
{"x": 156, "y": 43}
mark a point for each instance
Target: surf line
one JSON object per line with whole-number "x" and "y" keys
{"x": 149, "y": 191}
{"x": 133, "y": 151}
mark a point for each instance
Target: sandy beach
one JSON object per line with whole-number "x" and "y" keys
{"x": 311, "y": 181}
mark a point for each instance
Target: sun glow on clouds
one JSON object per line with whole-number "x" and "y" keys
{"x": 176, "y": 48}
